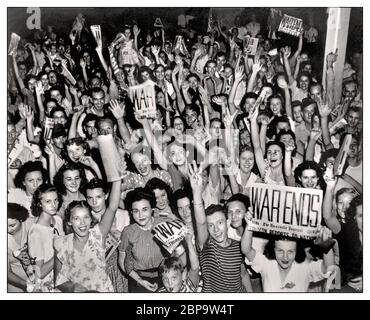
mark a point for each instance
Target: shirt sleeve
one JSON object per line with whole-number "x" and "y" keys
{"x": 259, "y": 263}
{"x": 315, "y": 271}
{"x": 35, "y": 245}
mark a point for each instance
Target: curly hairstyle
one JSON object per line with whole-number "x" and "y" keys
{"x": 78, "y": 142}
{"x": 68, "y": 213}
{"x": 156, "y": 183}
{"x": 137, "y": 195}
{"x": 36, "y": 207}
{"x": 308, "y": 165}
{"x": 351, "y": 211}
{"x": 96, "y": 183}
{"x": 182, "y": 193}
{"x": 269, "y": 251}
{"x": 28, "y": 167}
{"x": 18, "y": 212}
{"x": 72, "y": 166}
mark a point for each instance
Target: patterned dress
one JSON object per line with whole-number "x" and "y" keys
{"x": 87, "y": 268}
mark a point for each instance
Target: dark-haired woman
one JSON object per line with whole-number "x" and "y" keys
{"x": 45, "y": 205}
{"x": 284, "y": 268}
{"x": 29, "y": 177}
{"x": 70, "y": 181}
{"x": 139, "y": 254}
{"x": 18, "y": 227}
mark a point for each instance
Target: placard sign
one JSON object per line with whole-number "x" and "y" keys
{"x": 170, "y": 233}
{"x": 143, "y": 97}
{"x": 291, "y": 25}
{"x": 287, "y": 211}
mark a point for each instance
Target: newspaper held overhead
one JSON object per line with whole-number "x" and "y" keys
{"x": 143, "y": 98}
{"x": 13, "y": 45}
{"x": 291, "y": 25}
{"x": 114, "y": 164}
{"x": 251, "y": 44}
{"x": 96, "y": 32}
{"x": 288, "y": 211}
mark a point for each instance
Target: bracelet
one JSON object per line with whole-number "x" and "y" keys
{"x": 198, "y": 204}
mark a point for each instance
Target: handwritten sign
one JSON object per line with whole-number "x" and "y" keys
{"x": 291, "y": 25}
{"x": 288, "y": 211}
{"x": 170, "y": 233}
{"x": 143, "y": 97}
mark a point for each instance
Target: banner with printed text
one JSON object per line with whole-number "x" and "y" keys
{"x": 291, "y": 25}
{"x": 288, "y": 211}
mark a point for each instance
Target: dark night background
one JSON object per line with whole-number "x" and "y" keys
{"x": 112, "y": 19}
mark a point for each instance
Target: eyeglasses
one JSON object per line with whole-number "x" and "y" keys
{"x": 55, "y": 230}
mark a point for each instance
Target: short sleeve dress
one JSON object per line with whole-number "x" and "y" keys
{"x": 87, "y": 268}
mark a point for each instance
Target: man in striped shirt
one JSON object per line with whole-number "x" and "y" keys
{"x": 221, "y": 259}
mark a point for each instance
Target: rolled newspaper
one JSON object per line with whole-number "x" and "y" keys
{"x": 13, "y": 45}
{"x": 114, "y": 163}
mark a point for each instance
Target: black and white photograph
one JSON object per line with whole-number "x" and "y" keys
{"x": 184, "y": 149}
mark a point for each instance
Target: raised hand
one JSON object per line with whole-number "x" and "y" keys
{"x": 239, "y": 73}
{"x": 257, "y": 66}
{"x": 73, "y": 90}
{"x": 78, "y": 110}
{"x": 286, "y": 52}
{"x": 195, "y": 177}
{"x": 135, "y": 30}
{"x": 22, "y": 110}
{"x": 39, "y": 88}
{"x": 332, "y": 57}
{"x": 49, "y": 149}
{"x": 117, "y": 109}
{"x": 85, "y": 100}
{"x": 229, "y": 118}
{"x": 87, "y": 160}
{"x": 185, "y": 85}
{"x": 265, "y": 120}
{"x": 219, "y": 100}
{"x": 290, "y": 146}
{"x": 282, "y": 83}
{"x": 28, "y": 112}
{"x": 82, "y": 63}
{"x": 155, "y": 50}
{"x": 315, "y": 134}
{"x": 323, "y": 106}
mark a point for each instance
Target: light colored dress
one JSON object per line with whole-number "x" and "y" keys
{"x": 40, "y": 246}
{"x": 87, "y": 268}
{"x": 14, "y": 263}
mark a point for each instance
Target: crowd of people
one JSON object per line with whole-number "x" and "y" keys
{"x": 225, "y": 119}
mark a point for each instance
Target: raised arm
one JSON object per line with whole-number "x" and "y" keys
{"x": 247, "y": 239}
{"x": 110, "y": 213}
{"x": 239, "y": 74}
{"x": 257, "y": 65}
{"x": 200, "y": 216}
{"x": 256, "y": 143}
{"x": 329, "y": 215}
{"x": 193, "y": 259}
{"x": 158, "y": 154}
{"x": 118, "y": 110}
{"x": 286, "y": 53}
{"x": 293, "y": 59}
{"x": 16, "y": 72}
